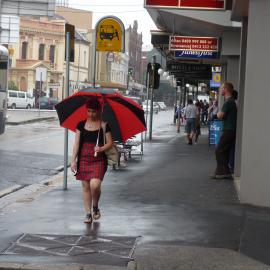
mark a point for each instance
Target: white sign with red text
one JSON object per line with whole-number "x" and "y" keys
{"x": 188, "y": 43}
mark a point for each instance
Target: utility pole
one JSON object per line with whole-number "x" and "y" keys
{"x": 152, "y": 78}
{"x": 66, "y": 130}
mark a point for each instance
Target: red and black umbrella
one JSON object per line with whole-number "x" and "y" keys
{"x": 125, "y": 116}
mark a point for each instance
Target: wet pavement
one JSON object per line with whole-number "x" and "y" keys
{"x": 165, "y": 197}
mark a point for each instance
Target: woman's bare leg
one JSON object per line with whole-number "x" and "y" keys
{"x": 95, "y": 186}
{"x": 87, "y": 196}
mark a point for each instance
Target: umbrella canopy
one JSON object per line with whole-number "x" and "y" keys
{"x": 125, "y": 116}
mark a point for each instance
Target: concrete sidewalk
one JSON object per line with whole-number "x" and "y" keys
{"x": 161, "y": 210}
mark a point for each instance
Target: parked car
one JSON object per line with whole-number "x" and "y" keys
{"x": 162, "y": 106}
{"x": 20, "y": 99}
{"x": 47, "y": 103}
{"x": 147, "y": 109}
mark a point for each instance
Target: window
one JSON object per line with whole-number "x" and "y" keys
{"x": 51, "y": 56}
{"x": 84, "y": 59}
{"x": 41, "y": 51}
{"x": 12, "y": 94}
{"x": 24, "y": 50}
{"x": 21, "y": 95}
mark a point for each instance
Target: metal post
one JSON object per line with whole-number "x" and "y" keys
{"x": 66, "y": 130}
{"x": 147, "y": 97}
{"x": 179, "y": 111}
{"x": 40, "y": 90}
{"x": 152, "y": 96}
{"x": 175, "y": 106}
{"x": 95, "y": 58}
{"x": 185, "y": 91}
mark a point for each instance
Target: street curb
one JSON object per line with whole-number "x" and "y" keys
{"x": 9, "y": 190}
{"x": 16, "y": 266}
{"x": 31, "y": 121}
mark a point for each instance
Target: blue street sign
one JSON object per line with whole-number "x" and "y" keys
{"x": 196, "y": 54}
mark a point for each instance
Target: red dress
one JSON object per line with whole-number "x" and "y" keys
{"x": 88, "y": 165}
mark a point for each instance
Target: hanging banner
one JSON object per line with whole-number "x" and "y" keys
{"x": 110, "y": 35}
{"x": 187, "y": 4}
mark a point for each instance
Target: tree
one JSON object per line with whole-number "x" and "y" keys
{"x": 12, "y": 86}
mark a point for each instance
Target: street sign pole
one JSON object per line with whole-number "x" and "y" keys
{"x": 95, "y": 57}
{"x": 179, "y": 111}
{"x": 152, "y": 96}
{"x": 40, "y": 90}
{"x": 147, "y": 98}
{"x": 66, "y": 130}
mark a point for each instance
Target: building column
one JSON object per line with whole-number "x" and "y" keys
{"x": 255, "y": 169}
{"x": 241, "y": 97}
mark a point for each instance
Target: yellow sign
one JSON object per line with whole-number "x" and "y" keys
{"x": 109, "y": 35}
{"x": 217, "y": 77}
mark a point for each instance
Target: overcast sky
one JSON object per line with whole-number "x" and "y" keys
{"x": 126, "y": 10}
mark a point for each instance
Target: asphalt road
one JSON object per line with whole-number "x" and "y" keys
{"x": 30, "y": 153}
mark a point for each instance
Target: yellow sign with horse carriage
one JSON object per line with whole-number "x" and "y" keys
{"x": 110, "y": 35}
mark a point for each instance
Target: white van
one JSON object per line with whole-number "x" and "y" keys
{"x": 19, "y": 99}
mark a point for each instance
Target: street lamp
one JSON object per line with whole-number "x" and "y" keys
{"x": 165, "y": 74}
{"x": 160, "y": 71}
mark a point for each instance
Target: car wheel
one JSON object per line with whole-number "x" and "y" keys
{"x": 13, "y": 106}
{"x": 28, "y": 106}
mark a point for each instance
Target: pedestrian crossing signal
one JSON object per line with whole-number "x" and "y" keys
{"x": 154, "y": 77}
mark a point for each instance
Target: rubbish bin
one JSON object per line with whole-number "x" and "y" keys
{"x": 215, "y": 129}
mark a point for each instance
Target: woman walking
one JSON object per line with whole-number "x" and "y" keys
{"x": 89, "y": 162}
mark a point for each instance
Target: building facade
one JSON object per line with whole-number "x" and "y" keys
{"x": 41, "y": 45}
{"x": 134, "y": 51}
{"x": 244, "y": 60}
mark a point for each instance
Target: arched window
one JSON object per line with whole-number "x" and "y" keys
{"x": 24, "y": 50}
{"x": 51, "y": 56}
{"x": 41, "y": 51}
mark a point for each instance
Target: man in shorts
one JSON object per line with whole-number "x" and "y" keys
{"x": 190, "y": 115}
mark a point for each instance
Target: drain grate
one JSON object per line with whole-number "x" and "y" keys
{"x": 72, "y": 245}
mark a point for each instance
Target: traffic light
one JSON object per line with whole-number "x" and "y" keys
{"x": 154, "y": 77}
{"x": 130, "y": 71}
{"x": 71, "y": 29}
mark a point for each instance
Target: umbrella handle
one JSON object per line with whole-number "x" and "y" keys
{"x": 95, "y": 155}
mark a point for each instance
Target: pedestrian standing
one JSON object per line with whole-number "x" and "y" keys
{"x": 88, "y": 158}
{"x": 213, "y": 111}
{"x": 190, "y": 115}
{"x": 228, "y": 115}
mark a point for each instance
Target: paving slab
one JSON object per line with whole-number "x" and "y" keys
{"x": 160, "y": 257}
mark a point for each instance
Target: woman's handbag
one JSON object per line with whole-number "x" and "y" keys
{"x": 112, "y": 153}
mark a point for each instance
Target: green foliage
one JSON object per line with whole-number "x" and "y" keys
{"x": 12, "y": 86}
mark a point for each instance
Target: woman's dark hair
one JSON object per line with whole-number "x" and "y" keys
{"x": 93, "y": 103}
{"x": 190, "y": 101}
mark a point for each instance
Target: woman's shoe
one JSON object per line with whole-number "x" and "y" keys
{"x": 96, "y": 213}
{"x": 88, "y": 218}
